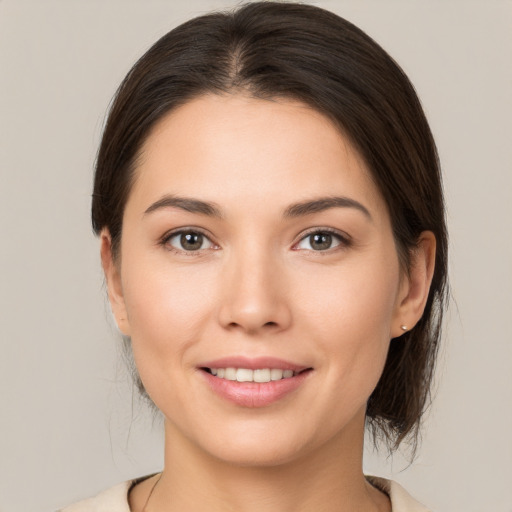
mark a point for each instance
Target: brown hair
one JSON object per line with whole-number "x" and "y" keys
{"x": 302, "y": 52}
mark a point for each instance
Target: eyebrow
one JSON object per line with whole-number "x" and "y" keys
{"x": 295, "y": 210}
{"x": 324, "y": 203}
{"x": 187, "y": 204}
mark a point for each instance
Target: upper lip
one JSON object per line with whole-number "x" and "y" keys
{"x": 255, "y": 363}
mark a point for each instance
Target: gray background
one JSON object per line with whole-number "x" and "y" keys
{"x": 69, "y": 425}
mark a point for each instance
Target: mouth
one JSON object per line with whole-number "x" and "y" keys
{"x": 260, "y": 375}
{"x": 251, "y": 383}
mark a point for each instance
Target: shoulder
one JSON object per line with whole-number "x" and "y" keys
{"x": 401, "y": 500}
{"x": 114, "y": 499}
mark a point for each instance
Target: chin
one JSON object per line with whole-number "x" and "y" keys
{"x": 260, "y": 445}
{"x": 256, "y": 456}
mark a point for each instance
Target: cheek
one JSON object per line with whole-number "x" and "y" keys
{"x": 167, "y": 307}
{"x": 350, "y": 313}
{"x": 358, "y": 297}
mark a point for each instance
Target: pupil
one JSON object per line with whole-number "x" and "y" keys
{"x": 191, "y": 241}
{"x": 321, "y": 241}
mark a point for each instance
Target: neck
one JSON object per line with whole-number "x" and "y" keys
{"x": 330, "y": 479}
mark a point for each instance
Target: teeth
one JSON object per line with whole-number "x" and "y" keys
{"x": 247, "y": 375}
{"x": 230, "y": 374}
{"x": 262, "y": 375}
{"x": 243, "y": 375}
{"x": 276, "y": 374}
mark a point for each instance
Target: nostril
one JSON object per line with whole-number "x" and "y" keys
{"x": 267, "y": 324}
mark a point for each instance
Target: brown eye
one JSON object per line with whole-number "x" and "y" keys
{"x": 320, "y": 241}
{"x": 189, "y": 241}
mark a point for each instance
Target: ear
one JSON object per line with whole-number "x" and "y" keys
{"x": 415, "y": 285}
{"x": 112, "y": 273}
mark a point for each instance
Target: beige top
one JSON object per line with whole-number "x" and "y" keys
{"x": 115, "y": 499}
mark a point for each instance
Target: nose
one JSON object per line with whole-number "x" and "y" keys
{"x": 255, "y": 295}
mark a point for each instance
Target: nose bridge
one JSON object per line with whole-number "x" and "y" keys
{"x": 254, "y": 290}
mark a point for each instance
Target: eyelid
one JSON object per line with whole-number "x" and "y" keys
{"x": 164, "y": 240}
{"x": 344, "y": 238}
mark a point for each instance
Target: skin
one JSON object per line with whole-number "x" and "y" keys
{"x": 258, "y": 287}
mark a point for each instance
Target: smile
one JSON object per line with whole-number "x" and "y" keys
{"x": 253, "y": 383}
{"x": 247, "y": 375}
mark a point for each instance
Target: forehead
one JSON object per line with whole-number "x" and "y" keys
{"x": 238, "y": 149}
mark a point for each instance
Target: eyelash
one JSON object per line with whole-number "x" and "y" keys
{"x": 343, "y": 240}
{"x": 165, "y": 241}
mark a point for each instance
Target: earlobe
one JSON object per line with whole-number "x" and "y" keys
{"x": 113, "y": 280}
{"x": 416, "y": 286}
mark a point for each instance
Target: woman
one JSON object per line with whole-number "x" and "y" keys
{"x": 269, "y": 205}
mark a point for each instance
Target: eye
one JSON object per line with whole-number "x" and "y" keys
{"x": 189, "y": 241}
{"x": 321, "y": 241}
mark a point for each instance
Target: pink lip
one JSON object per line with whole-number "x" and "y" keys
{"x": 256, "y": 363}
{"x": 254, "y": 394}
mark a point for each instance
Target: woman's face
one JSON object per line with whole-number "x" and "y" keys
{"x": 255, "y": 239}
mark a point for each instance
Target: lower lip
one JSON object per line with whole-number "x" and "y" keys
{"x": 254, "y": 394}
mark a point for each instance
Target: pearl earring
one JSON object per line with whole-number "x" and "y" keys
{"x": 403, "y": 327}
